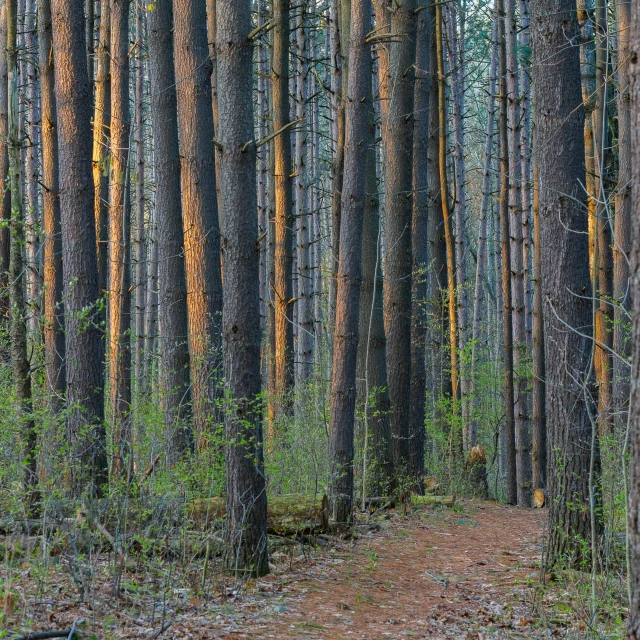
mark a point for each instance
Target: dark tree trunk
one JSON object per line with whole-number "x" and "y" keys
{"x": 509, "y": 437}
{"x": 199, "y": 207}
{"x": 419, "y": 245}
{"x": 5, "y": 192}
{"x": 246, "y": 492}
{"x": 398, "y": 150}
{"x": 85, "y": 395}
{"x": 19, "y": 356}
{"x": 53, "y": 279}
{"x": 566, "y": 285}
{"x": 174, "y": 351}
{"x": 372, "y": 389}
{"x": 633, "y": 514}
{"x": 345, "y": 342}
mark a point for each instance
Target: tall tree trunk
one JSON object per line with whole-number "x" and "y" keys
{"x": 633, "y": 514}
{"x": 439, "y": 331}
{"x": 119, "y": 243}
{"x": 90, "y": 14}
{"x": 419, "y": 221}
{"x": 398, "y": 150}
{"x": 455, "y": 440}
{"x": 539, "y": 445}
{"x": 509, "y": 437}
{"x": 559, "y": 122}
{"x": 603, "y": 288}
{"x": 345, "y": 343}
{"x": 485, "y": 212}
{"x": 371, "y": 366}
{"x": 519, "y": 320}
{"x": 101, "y": 128}
{"x": 54, "y": 344}
{"x": 199, "y": 207}
{"x": 282, "y": 284}
{"x": 85, "y": 396}
{"x": 21, "y": 364}
{"x": 174, "y": 352}
{"x": 303, "y": 201}
{"x": 140, "y": 284}
{"x": 623, "y": 225}
{"x": 246, "y": 492}
{"x": 5, "y": 187}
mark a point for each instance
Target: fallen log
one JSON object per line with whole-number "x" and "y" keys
{"x": 286, "y": 515}
{"x": 447, "y": 501}
{"x": 43, "y": 635}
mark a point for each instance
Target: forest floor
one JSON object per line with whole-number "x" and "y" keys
{"x": 470, "y": 572}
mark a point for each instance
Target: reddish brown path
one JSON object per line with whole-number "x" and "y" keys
{"x": 436, "y": 574}
{"x": 461, "y": 573}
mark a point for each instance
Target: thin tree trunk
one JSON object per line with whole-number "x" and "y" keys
{"x": 54, "y": 342}
{"x": 119, "y": 243}
{"x": 485, "y": 212}
{"x": 455, "y": 440}
{"x": 101, "y": 145}
{"x": 5, "y": 186}
{"x": 199, "y": 208}
{"x": 539, "y": 446}
{"x": 21, "y": 364}
{"x": 246, "y": 528}
{"x": 174, "y": 352}
{"x": 140, "y": 284}
{"x": 623, "y": 225}
{"x": 86, "y": 436}
{"x": 604, "y": 264}
{"x": 559, "y": 122}
{"x": 419, "y": 245}
{"x": 509, "y": 399}
{"x": 398, "y": 151}
{"x": 345, "y": 345}
{"x": 519, "y": 320}
{"x": 282, "y": 284}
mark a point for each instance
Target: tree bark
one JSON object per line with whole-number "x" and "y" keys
{"x": 398, "y": 151}
{"x": 174, "y": 351}
{"x": 517, "y": 270}
{"x": 199, "y": 208}
{"x": 633, "y": 513}
{"x": 345, "y": 343}
{"x": 623, "y": 225}
{"x": 54, "y": 343}
{"x": 419, "y": 234}
{"x": 86, "y": 436}
{"x": 559, "y": 122}
{"x": 509, "y": 431}
{"x": 283, "y": 264}
{"x": 246, "y": 506}
{"x": 101, "y": 128}
{"x": 119, "y": 243}
{"x": 5, "y": 187}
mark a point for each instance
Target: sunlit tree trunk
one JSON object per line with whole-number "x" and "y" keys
{"x": 199, "y": 208}
{"x": 119, "y": 243}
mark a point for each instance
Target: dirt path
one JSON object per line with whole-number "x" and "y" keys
{"x": 461, "y": 573}
{"x": 434, "y": 575}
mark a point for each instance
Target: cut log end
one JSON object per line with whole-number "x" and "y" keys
{"x": 539, "y": 498}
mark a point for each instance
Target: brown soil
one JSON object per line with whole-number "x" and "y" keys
{"x": 463, "y": 573}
